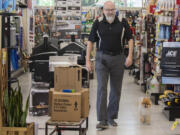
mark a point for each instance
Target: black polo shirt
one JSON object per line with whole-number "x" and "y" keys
{"x": 110, "y": 37}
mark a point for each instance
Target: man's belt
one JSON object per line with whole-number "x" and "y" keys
{"x": 111, "y": 53}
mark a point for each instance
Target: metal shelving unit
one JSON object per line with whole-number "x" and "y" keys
{"x": 6, "y": 36}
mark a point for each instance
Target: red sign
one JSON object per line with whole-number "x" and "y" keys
{"x": 178, "y": 2}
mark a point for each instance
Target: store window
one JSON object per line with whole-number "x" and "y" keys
{"x": 134, "y": 3}
{"x": 118, "y": 3}
{"x": 47, "y": 3}
{"x": 88, "y": 2}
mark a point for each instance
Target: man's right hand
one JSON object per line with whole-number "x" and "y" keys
{"x": 89, "y": 65}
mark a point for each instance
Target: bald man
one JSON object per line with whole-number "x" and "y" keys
{"x": 109, "y": 32}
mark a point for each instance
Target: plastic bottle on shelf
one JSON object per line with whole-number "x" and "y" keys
{"x": 157, "y": 47}
{"x": 167, "y": 32}
{"x": 167, "y": 4}
{"x": 14, "y": 6}
{"x": 154, "y": 85}
{"x": 158, "y": 69}
{"x": 161, "y": 32}
{"x": 171, "y": 4}
{"x": 160, "y": 4}
{"x": 163, "y": 5}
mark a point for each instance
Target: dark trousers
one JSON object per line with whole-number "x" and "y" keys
{"x": 113, "y": 67}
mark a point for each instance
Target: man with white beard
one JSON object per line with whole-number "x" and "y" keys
{"x": 109, "y": 32}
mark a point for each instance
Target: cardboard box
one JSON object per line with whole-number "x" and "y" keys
{"x": 84, "y": 103}
{"x": 66, "y": 106}
{"x": 67, "y": 78}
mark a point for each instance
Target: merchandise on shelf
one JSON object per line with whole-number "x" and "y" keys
{"x": 67, "y": 17}
{"x": 8, "y": 6}
{"x": 44, "y": 19}
{"x": 88, "y": 18}
{"x": 155, "y": 86}
{"x": 170, "y": 98}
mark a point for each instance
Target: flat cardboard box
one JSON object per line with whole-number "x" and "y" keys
{"x": 84, "y": 102}
{"x": 66, "y": 106}
{"x": 68, "y": 78}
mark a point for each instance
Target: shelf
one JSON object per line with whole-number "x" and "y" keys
{"x": 9, "y": 14}
{"x": 165, "y": 24}
{"x": 172, "y": 107}
{"x": 15, "y": 47}
{"x": 162, "y": 40}
{"x": 170, "y": 80}
{"x": 45, "y": 24}
{"x": 85, "y": 33}
{"x": 167, "y": 10}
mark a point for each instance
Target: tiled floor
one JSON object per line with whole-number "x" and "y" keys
{"x": 128, "y": 121}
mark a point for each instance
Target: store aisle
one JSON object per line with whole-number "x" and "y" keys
{"x": 128, "y": 122}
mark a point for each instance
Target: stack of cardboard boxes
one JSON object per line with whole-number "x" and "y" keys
{"x": 68, "y": 106}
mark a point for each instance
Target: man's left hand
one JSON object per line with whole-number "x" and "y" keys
{"x": 128, "y": 62}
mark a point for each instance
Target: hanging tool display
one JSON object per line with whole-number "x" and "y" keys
{"x": 44, "y": 19}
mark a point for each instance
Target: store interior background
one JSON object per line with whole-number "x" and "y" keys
{"x": 153, "y": 23}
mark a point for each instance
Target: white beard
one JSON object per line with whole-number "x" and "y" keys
{"x": 110, "y": 19}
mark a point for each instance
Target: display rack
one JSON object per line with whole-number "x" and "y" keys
{"x": 5, "y": 60}
{"x": 157, "y": 56}
{"x": 6, "y": 66}
{"x": 6, "y": 29}
{"x": 162, "y": 26}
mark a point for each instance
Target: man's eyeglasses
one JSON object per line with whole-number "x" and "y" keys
{"x": 110, "y": 10}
